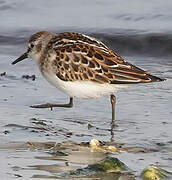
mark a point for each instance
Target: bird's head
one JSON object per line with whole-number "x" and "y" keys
{"x": 36, "y": 45}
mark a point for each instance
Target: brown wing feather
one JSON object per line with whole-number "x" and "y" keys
{"x": 82, "y": 58}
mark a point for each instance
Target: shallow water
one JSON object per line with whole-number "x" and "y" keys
{"x": 140, "y": 32}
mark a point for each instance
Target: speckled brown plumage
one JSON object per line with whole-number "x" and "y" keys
{"x": 83, "y": 58}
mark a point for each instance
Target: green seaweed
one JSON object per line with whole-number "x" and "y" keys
{"x": 154, "y": 173}
{"x": 107, "y": 165}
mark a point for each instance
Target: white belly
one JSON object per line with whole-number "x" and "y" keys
{"x": 82, "y": 89}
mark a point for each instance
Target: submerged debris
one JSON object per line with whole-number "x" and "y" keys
{"x": 153, "y": 172}
{"x": 95, "y": 145}
{"x": 90, "y": 126}
{"x": 6, "y": 132}
{"x": 3, "y": 74}
{"x": 38, "y": 121}
{"x": 25, "y": 127}
{"x": 32, "y": 77}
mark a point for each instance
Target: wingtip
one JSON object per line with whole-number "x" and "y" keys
{"x": 156, "y": 79}
{"x": 162, "y": 79}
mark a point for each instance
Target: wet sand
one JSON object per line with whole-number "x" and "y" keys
{"x": 142, "y": 118}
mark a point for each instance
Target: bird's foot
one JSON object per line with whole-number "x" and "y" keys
{"x": 48, "y": 105}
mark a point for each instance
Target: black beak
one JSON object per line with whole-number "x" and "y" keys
{"x": 22, "y": 57}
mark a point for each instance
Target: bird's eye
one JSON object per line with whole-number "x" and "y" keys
{"x": 31, "y": 45}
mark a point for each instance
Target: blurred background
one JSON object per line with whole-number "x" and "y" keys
{"x": 139, "y": 31}
{"x": 139, "y": 26}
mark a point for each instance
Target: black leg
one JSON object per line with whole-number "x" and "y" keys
{"x": 69, "y": 105}
{"x": 113, "y": 101}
